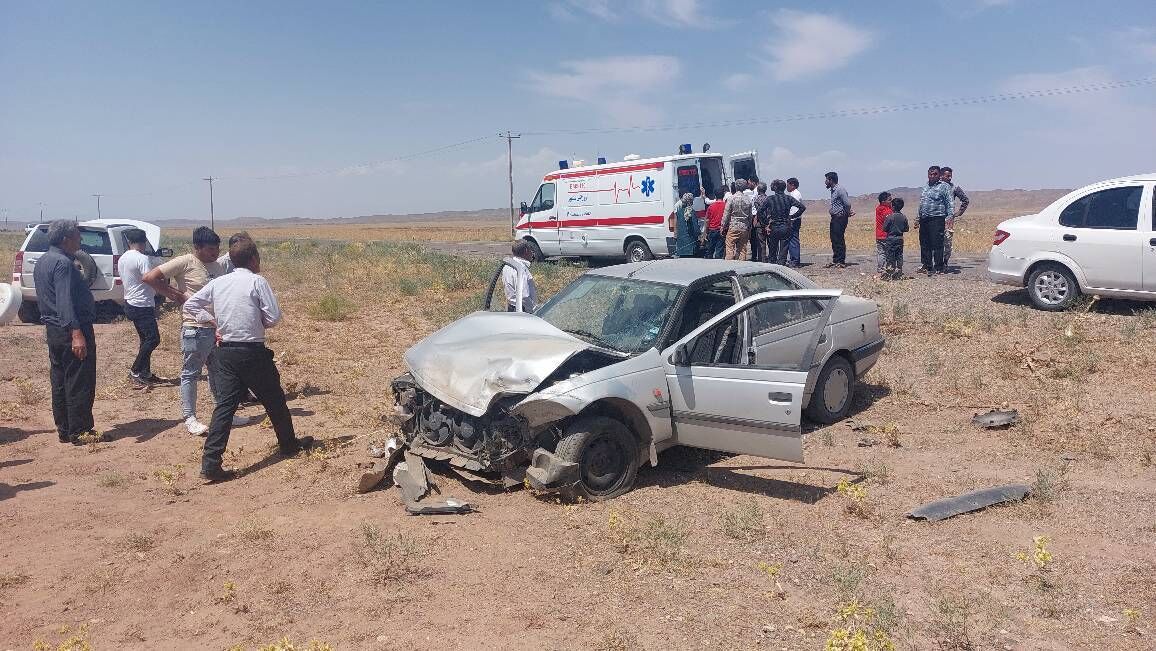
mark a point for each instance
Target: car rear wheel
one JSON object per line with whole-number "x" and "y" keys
{"x": 607, "y": 457}
{"x": 834, "y": 391}
{"x": 638, "y": 251}
{"x": 1051, "y": 287}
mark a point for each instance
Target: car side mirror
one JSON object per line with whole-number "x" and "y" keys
{"x": 165, "y": 253}
{"x": 681, "y": 356}
{"x": 525, "y": 208}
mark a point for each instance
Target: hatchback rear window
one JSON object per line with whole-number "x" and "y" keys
{"x": 92, "y": 242}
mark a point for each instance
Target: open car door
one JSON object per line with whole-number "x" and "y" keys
{"x": 726, "y": 394}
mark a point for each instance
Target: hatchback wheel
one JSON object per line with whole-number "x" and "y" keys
{"x": 834, "y": 390}
{"x": 607, "y": 457}
{"x": 1052, "y": 287}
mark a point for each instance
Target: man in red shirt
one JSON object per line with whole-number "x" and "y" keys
{"x": 881, "y": 212}
{"x": 715, "y": 238}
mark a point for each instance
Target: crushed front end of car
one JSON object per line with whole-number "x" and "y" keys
{"x": 468, "y": 396}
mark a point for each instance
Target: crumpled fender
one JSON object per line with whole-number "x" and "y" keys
{"x": 540, "y": 409}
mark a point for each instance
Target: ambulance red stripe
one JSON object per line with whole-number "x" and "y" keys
{"x": 605, "y": 221}
{"x": 569, "y": 174}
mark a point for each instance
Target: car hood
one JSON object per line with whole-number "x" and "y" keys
{"x": 471, "y": 361}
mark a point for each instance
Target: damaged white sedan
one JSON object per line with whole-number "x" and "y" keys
{"x": 629, "y": 360}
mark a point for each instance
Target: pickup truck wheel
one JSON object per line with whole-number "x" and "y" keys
{"x": 29, "y": 312}
{"x": 607, "y": 457}
{"x": 1052, "y": 288}
{"x": 834, "y": 390}
{"x": 638, "y": 251}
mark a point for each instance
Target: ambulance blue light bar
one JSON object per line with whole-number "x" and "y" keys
{"x": 685, "y": 149}
{"x": 601, "y": 160}
{"x": 563, "y": 165}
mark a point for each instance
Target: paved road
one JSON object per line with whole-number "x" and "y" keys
{"x": 972, "y": 268}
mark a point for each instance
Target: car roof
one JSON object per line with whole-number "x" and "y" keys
{"x": 683, "y": 271}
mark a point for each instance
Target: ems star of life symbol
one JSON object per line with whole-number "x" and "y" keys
{"x": 648, "y": 186}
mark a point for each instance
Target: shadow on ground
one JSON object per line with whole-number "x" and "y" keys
{"x": 8, "y": 491}
{"x": 142, "y": 429}
{"x": 12, "y": 435}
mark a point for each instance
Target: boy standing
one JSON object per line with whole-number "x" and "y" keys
{"x": 881, "y": 212}
{"x": 139, "y": 305}
{"x": 198, "y": 339}
{"x": 894, "y": 226}
{"x": 243, "y": 306}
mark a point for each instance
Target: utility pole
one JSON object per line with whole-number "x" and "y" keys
{"x": 41, "y": 212}
{"x": 510, "y": 136}
{"x": 98, "y": 196}
{"x": 212, "y": 215}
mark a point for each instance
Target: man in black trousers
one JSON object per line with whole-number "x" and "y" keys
{"x": 67, "y": 310}
{"x": 243, "y": 306}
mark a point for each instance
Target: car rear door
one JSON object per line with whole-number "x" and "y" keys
{"x": 725, "y": 397}
{"x": 97, "y": 242}
{"x": 1148, "y": 235}
{"x": 1099, "y": 231}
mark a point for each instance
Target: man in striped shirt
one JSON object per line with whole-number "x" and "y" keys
{"x": 779, "y": 209}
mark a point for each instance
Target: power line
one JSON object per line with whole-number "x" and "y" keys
{"x": 877, "y": 110}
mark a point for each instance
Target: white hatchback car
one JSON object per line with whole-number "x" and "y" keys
{"x": 1100, "y": 239}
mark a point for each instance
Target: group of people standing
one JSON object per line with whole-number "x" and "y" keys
{"x": 936, "y": 224}
{"x": 741, "y": 215}
{"x": 226, "y": 308}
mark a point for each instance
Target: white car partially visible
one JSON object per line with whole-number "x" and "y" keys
{"x": 1100, "y": 239}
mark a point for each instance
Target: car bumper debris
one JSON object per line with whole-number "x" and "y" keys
{"x": 997, "y": 418}
{"x": 968, "y": 502}
{"x": 549, "y": 473}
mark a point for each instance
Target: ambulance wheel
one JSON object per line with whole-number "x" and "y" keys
{"x": 638, "y": 251}
{"x": 537, "y": 250}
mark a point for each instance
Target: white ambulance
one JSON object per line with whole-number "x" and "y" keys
{"x": 620, "y": 209}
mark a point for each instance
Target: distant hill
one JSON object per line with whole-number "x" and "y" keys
{"x": 1003, "y": 202}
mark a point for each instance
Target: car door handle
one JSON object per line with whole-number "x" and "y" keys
{"x": 779, "y": 396}
{"x": 1152, "y": 242}
{"x": 1069, "y": 238}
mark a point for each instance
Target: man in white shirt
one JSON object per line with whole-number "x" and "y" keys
{"x": 139, "y": 305}
{"x": 243, "y": 306}
{"x": 794, "y": 250}
{"x": 521, "y": 293}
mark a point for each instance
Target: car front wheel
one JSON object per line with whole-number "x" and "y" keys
{"x": 834, "y": 390}
{"x": 1052, "y": 287}
{"x": 606, "y": 454}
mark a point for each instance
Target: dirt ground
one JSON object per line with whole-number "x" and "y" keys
{"x": 118, "y": 544}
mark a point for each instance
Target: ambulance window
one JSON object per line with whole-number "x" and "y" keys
{"x": 544, "y": 200}
{"x": 688, "y": 181}
{"x": 743, "y": 168}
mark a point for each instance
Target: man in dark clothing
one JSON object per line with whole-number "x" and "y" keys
{"x": 759, "y": 224}
{"x": 781, "y": 209}
{"x": 935, "y": 207}
{"x": 945, "y": 175}
{"x": 841, "y": 213}
{"x": 894, "y": 226}
{"x": 794, "y": 248}
{"x": 67, "y": 310}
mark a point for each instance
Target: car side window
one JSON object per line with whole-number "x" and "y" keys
{"x": 95, "y": 242}
{"x": 764, "y": 282}
{"x": 38, "y": 243}
{"x": 1114, "y": 208}
{"x": 772, "y": 315}
{"x": 719, "y": 345}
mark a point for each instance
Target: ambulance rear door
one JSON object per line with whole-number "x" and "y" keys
{"x": 743, "y": 165}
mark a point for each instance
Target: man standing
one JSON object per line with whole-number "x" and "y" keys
{"x": 841, "y": 213}
{"x": 198, "y": 340}
{"x": 139, "y": 305}
{"x": 715, "y": 239}
{"x": 882, "y": 209}
{"x": 934, "y": 209}
{"x": 243, "y": 306}
{"x": 67, "y": 310}
{"x": 780, "y": 207}
{"x": 686, "y": 230}
{"x": 521, "y": 293}
{"x": 794, "y": 246}
{"x": 737, "y": 222}
{"x": 957, "y": 192}
{"x": 760, "y": 219}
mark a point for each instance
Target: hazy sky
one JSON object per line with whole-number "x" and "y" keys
{"x": 140, "y": 100}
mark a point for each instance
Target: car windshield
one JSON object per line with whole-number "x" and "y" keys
{"x": 618, "y": 313}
